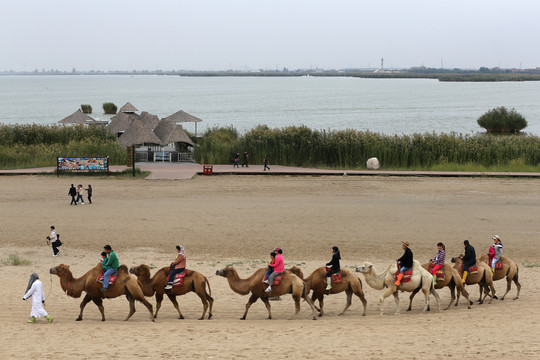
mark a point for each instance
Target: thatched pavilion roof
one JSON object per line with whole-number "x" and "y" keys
{"x": 182, "y": 116}
{"x": 78, "y": 117}
{"x": 121, "y": 122}
{"x": 149, "y": 119}
{"x": 128, "y": 108}
{"x": 169, "y": 132}
{"x": 138, "y": 134}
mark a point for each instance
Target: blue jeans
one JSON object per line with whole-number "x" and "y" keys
{"x": 173, "y": 273}
{"x": 268, "y": 272}
{"x": 403, "y": 269}
{"x": 106, "y": 276}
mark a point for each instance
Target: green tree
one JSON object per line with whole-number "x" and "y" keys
{"x": 500, "y": 120}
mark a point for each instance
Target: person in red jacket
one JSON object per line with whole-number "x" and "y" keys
{"x": 279, "y": 268}
{"x": 177, "y": 266}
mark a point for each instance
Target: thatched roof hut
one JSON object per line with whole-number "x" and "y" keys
{"x": 121, "y": 122}
{"x": 128, "y": 108}
{"x": 139, "y": 134}
{"x": 182, "y": 116}
{"x": 169, "y": 132}
{"x": 78, "y": 117}
{"x": 149, "y": 119}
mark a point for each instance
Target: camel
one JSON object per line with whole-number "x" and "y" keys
{"x": 452, "y": 280}
{"x": 316, "y": 281}
{"x": 420, "y": 279}
{"x": 510, "y": 270}
{"x": 123, "y": 285}
{"x": 194, "y": 281}
{"x": 484, "y": 278}
{"x": 290, "y": 284}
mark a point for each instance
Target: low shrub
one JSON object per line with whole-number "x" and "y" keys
{"x": 109, "y": 108}
{"x": 85, "y": 108}
{"x": 15, "y": 260}
{"x": 500, "y": 120}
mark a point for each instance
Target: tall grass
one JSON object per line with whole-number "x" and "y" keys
{"x": 15, "y": 260}
{"x": 38, "y": 145}
{"x": 301, "y": 146}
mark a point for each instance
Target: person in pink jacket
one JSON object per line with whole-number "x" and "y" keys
{"x": 279, "y": 268}
{"x": 177, "y": 266}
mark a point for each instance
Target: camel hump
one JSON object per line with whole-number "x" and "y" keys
{"x": 123, "y": 268}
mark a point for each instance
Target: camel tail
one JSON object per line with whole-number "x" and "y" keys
{"x": 516, "y": 276}
{"x": 208, "y": 283}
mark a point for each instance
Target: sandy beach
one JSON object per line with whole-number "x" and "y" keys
{"x": 237, "y": 220}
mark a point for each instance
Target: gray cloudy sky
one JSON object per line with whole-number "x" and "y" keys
{"x": 253, "y": 34}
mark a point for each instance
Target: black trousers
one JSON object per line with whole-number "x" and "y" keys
{"x": 73, "y": 200}
{"x": 55, "y": 246}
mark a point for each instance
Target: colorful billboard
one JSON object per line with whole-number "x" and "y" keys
{"x": 83, "y": 163}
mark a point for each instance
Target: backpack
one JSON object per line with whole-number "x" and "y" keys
{"x": 58, "y": 239}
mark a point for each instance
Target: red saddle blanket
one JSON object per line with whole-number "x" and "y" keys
{"x": 277, "y": 279}
{"x": 498, "y": 264}
{"x": 472, "y": 269}
{"x": 179, "y": 279}
{"x": 111, "y": 278}
{"x": 336, "y": 278}
{"x": 406, "y": 276}
{"x": 439, "y": 273}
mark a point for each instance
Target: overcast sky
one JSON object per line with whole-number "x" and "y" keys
{"x": 253, "y": 34}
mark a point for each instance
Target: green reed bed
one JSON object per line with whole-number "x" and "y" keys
{"x": 27, "y": 146}
{"x": 349, "y": 149}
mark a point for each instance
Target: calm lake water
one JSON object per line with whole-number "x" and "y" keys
{"x": 390, "y": 106}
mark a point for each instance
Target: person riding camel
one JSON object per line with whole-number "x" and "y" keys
{"x": 438, "y": 261}
{"x": 334, "y": 267}
{"x": 469, "y": 259}
{"x": 496, "y": 253}
{"x": 405, "y": 262}
{"x": 270, "y": 269}
{"x": 177, "y": 266}
{"x": 279, "y": 268}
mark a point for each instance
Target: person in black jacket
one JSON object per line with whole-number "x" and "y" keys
{"x": 469, "y": 259}
{"x": 73, "y": 192}
{"x": 405, "y": 262}
{"x": 334, "y": 266}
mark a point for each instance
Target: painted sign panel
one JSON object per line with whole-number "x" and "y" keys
{"x": 83, "y": 163}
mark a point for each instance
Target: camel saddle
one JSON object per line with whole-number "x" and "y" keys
{"x": 179, "y": 279}
{"x": 498, "y": 264}
{"x": 472, "y": 269}
{"x": 440, "y": 273}
{"x": 111, "y": 278}
{"x": 406, "y": 276}
{"x": 336, "y": 278}
{"x": 277, "y": 279}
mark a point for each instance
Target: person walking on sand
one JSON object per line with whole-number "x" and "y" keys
{"x": 54, "y": 241}
{"x": 236, "y": 160}
{"x": 73, "y": 192}
{"x": 35, "y": 290}
{"x": 89, "y": 191}
{"x": 80, "y": 192}
{"x": 245, "y": 159}
{"x": 177, "y": 266}
{"x": 279, "y": 268}
{"x": 266, "y": 163}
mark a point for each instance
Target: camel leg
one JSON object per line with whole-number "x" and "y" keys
{"x": 508, "y": 287}
{"x": 386, "y": 294}
{"x": 132, "y": 307}
{"x": 412, "y": 297}
{"x": 268, "y": 307}
{"x": 159, "y": 299}
{"x": 86, "y": 300}
{"x": 362, "y": 298}
{"x": 396, "y": 298}
{"x": 426, "y": 300}
{"x": 296, "y": 299}
{"x": 437, "y": 298}
{"x": 488, "y": 287}
{"x": 202, "y": 296}
{"x": 172, "y": 297}
{"x": 210, "y": 303}
{"x": 311, "y": 304}
{"x": 466, "y": 294}
{"x": 452, "y": 287}
{"x": 349, "y": 293}
{"x": 518, "y": 285}
{"x": 481, "y": 288}
{"x": 251, "y": 300}
{"x": 319, "y": 297}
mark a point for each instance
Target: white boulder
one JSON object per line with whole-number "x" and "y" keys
{"x": 373, "y": 163}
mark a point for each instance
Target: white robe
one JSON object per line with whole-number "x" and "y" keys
{"x": 36, "y": 291}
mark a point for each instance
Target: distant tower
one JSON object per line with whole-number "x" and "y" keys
{"x": 382, "y": 64}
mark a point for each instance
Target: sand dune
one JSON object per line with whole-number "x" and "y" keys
{"x": 237, "y": 220}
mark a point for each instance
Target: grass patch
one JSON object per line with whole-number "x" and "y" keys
{"x": 531, "y": 265}
{"x": 15, "y": 260}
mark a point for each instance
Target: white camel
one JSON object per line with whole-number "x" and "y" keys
{"x": 420, "y": 279}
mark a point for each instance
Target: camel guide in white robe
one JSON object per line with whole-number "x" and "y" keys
{"x": 35, "y": 289}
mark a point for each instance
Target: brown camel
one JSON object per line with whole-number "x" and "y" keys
{"x": 452, "y": 280}
{"x": 316, "y": 282}
{"x": 193, "y": 281}
{"x": 290, "y": 284}
{"x": 510, "y": 270}
{"x": 123, "y": 285}
{"x": 484, "y": 278}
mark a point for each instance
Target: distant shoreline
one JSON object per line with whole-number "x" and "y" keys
{"x": 443, "y": 75}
